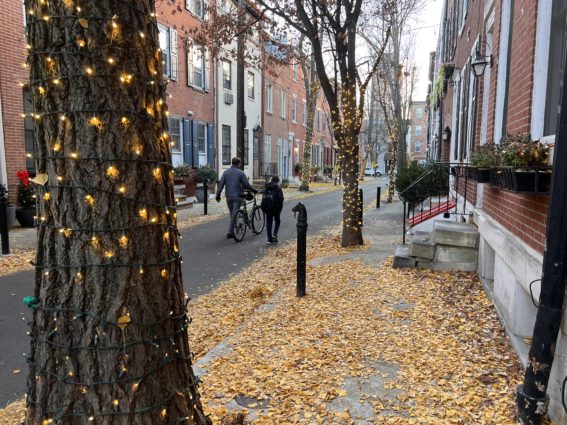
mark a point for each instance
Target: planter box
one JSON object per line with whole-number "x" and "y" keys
{"x": 26, "y": 217}
{"x": 483, "y": 175}
{"x": 534, "y": 180}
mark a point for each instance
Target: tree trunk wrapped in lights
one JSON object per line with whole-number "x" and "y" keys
{"x": 392, "y": 170}
{"x": 311, "y": 107}
{"x": 108, "y": 338}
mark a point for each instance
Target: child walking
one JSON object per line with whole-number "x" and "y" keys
{"x": 272, "y": 205}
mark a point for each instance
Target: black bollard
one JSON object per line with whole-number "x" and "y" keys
{"x": 4, "y": 220}
{"x": 360, "y": 206}
{"x": 206, "y": 195}
{"x": 378, "y": 197}
{"x": 301, "y": 247}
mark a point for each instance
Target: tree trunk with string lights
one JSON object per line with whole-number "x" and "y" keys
{"x": 308, "y": 143}
{"x": 108, "y": 338}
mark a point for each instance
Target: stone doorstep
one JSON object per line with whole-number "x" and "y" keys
{"x": 422, "y": 248}
{"x": 455, "y": 234}
{"x": 445, "y": 267}
{"x": 454, "y": 254}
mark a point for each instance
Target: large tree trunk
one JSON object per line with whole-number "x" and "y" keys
{"x": 108, "y": 338}
{"x": 352, "y": 225}
{"x": 307, "y": 170}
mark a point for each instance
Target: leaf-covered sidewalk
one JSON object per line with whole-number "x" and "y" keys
{"x": 367, "y": 345}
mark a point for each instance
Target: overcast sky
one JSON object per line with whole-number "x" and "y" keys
{"x": 426, "y": 42}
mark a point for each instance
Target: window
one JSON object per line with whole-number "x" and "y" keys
{"x": 304, "y": 113}
{"x": 268, "y": 149}
{"x": 418, "y": 130}
{"x": 318, "y": 120}
{"x": 294, "y": 69}
{"x": 175, "y": 132}
{"x": 324, "y": 121}
{"x": 269, "y": 98}
{"x": 201, "y": 132}
{"x": 419, "y": 114}
{"x": 283, "y": 104}
{"x": 197, "y": 66}
{"x": 417, "y": 147}
{"x": 29, "y": 132}
{"x": 246, "y": 146}
{"x": 294, "y": 108}
{"x": 197, "y": 8}
{"x": 251, "y": 85}
{"x": 227, "y": 74}
{"x": 168, "y": 47}
{"x": 555, "y": 71}
{"x": 226, "y": 148}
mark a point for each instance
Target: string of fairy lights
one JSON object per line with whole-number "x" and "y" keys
{"x": 114, "y": 182}
{"x": 307, "y": 166}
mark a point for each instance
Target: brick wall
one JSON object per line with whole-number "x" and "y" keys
{"x": 12, "y": 73}
{"x": 422, "y": 138}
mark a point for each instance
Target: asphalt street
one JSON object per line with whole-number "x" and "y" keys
{"x": 208, "y": 259}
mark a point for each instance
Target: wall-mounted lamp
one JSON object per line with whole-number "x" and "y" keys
{"x": 446, "y": 134}
{"x": 479, "y": 63}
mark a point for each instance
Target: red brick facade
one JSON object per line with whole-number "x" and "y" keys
{"x": 418, "y": 131}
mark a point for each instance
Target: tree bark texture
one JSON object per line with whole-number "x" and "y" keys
{"x": 108, "y": 338}
{"x": 307, "y": 171}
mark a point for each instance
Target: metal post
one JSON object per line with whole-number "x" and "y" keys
{"x": 301, "y": 248}
{"x": 531, "y": 397}
{"x": 378, "y": 196}
{"x": 206, "y": 195}
{"x": 360, "y": 206}
{"x": 404, "y": 235}
{"x": 4, "y": 221}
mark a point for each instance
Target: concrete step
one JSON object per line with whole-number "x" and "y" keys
{"x": 422, "y": 246}
{"x": 402, "y": 258}
{"x": 455, "y": 234}
{"x": 432, "y": 265}
{"x": 184, "y": 204}
{"x": 455, "y": 254}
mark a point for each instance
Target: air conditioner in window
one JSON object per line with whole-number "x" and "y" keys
{"x": 228, "y": 98}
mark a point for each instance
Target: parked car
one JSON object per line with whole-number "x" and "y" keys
{"x": 372, "y": 172}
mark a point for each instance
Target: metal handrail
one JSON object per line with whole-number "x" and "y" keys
{"x": 420, "y": 178}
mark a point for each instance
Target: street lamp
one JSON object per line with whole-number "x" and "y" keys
{"x": 479, "y": 63}
{"x": 446, "y": 134}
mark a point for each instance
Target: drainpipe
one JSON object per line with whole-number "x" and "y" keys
{"x": 531, "y": 397}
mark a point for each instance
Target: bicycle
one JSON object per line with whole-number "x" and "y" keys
{"x": 244, "y": 218}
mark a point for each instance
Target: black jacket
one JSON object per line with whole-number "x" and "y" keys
{"x": 278, "y": 196}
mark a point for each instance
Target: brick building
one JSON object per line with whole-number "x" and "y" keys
{"x": 417, "y": 132}
{"x": 16, "y": 133}
{"x": 518, "y": 92}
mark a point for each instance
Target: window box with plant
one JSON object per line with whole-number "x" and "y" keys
{"x": 26, "y": 200}
{"x": 185, "y": 174}
{"x": 202, "y": 175}
{"x": 524, "y": 165}
{"x": 482, "y": 160}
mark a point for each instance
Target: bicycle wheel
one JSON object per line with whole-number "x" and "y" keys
{"x": 239, "y": 225}
{"x": 258, "y": 220}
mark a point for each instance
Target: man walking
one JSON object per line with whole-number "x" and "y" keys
{"x": 235, "y": 181}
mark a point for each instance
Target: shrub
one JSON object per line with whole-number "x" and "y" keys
{"x": 26, "y": 194}
{"x": 413, "y": 185}
{"x": 183, "y": 170}
{"x": 486, "y": 156}
{"x": 298, "y": 167}
{"x": 328, "y": 170}
{"x": 521, "y": 152}
{"x": 206, "y": 173}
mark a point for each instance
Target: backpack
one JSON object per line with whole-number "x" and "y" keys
{"x": 268, "y": 201}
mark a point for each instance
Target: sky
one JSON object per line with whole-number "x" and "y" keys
{"x": 426, "y": 42}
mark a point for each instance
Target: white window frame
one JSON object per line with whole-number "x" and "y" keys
{"x": 197, "y": 53}
{"x": 283, "y": 104}
{"x": 294, "y": 108}
{"x": 197, "y": 8}
{"x": 171, "y": 65}
{"x": 417, "y": 147}
{"x": 253, "y": 87}
{"x": 269, "y": 97}
{"x": 268, "y": 149}
{"x": 417, "y": 130}
{"x": 304, "y": 113}
{"x": 229, "y": 74}
{"x": 418, "y": 113}
{"x": 177, "y": 147}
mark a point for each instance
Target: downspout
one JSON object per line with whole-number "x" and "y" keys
{"x": 531, "y": 396}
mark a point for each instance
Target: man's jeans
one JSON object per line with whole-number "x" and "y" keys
{"x": 233, "y": 206}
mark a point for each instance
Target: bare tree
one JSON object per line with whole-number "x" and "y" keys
{"x": 109, "y": 339}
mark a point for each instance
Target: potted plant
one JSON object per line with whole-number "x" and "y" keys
{"x": 185, "y": 174}
{"x": 526, "y": 163}
{"x": 10, "y": 209}
{"x": 205, "y": 174}
{"x": 482, "y": 160}
{"x": 26, "y": 200}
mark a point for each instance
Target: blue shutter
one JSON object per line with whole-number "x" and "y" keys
{"x": 195, "y": 144}
{"x": 211, "y": 145}
{"x": 187, "y": 141}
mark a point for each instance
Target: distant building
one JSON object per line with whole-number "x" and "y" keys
{"x": 417, "y": 132}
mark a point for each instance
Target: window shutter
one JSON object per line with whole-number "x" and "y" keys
{"x": 173, "y": 47}
{"x": 207, "y": 70}
{"x": 211, "y": 145}
{"x": 205, "y": 9}
{"x": 187, "y": 141}
{"x": 195, "y": 144}
{"x": 189, "y": 63}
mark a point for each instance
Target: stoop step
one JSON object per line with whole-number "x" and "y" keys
{"x": 422, "y": 246}
{"x": 455, "y": 254}
{"x": 455, "y": 234}
{"x": 445, "y": 267}
{"x": 402, "y": 258}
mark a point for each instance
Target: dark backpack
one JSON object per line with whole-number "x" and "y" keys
{"x": 268, "y": 201}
